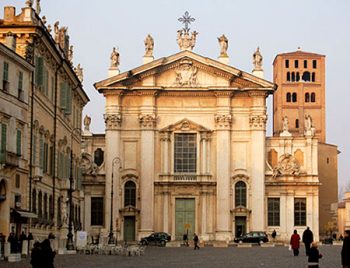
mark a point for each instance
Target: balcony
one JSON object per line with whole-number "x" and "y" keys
{"x": 9, "y": 159}
{"x": 185, "y": 178}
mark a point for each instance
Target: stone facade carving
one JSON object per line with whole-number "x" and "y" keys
{"x": 257, "y": 60}
{"x": 223, "y": 120}
{"x": 87, "y": 122}
{"x": 113, "y": 121}
{"x": 186, "y": 74}
{"x": 257, "y": 121}
{"x": 288, "y": 165}
{"x": 149, "y": 45}
{"x": 147, "y": 120}
{"x": 79, "y": 72}
{"x": 70, "y": 54}
{"x": 185, "y": 41}
{"x": 115, "y": 61}
{"x": 29, "y": 52}
{"x": 285, "y": 124}
{"x": 223, "y": 42}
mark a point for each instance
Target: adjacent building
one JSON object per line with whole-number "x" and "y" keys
{"x": 41, "y": 106}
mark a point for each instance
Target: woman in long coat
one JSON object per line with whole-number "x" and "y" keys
{"x": 295, "y": 243}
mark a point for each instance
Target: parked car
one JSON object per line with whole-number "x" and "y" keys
{"x": 252, "y": 237}
{"x": 157, "y": 239}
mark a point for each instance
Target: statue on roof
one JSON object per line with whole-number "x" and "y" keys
{"x": 149, "y": 45}
{"x": 257, "y": 60}
{"x": 79, "y": 72}
{"x": 70, "y": 54}
{"x": 223, "y": 41}
{"x": 115, "y": 58}
{"x": 87, "y": 122}
{"x": 56, "y": 31}
{"x": 38, "y": 7}
{"x": 184, "y": 40}
{"x": 29, "y": 3}
{"x": 285, "y": 124}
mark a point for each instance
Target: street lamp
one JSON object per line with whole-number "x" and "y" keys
{"x": 116, "y": 160}
{"x": 70, "y": 244}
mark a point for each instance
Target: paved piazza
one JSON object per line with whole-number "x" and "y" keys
{"x": 205, "y": 257}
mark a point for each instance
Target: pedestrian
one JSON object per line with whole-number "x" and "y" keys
{"x": 308, "y": 238}
{"x": 195, "y": 240}
{"x": 314, "y": 256}
{"x": 185, "y": 238}
{"x": 274, "y": 234}
{"x": 22, "y": 239}
{"x": 295, "y": 243}
{"x": 47, "y": 255}
{"x": 345, "y": 251}
{"x": 12, "y": 239}
{"x": 36, "y": 255}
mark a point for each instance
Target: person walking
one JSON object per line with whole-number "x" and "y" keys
{"x": 345, "y": 251}
{"x": 47, "y": 255}
{"x": 314, "y": 256}
{"x": 274, "y": 234}
{"x": 195, "y": 240}
{"x": 185, "y": 239}
{"x": 36, "y": 255}
{"x": 308, "y": 238}
{"x": 295, "y": 243}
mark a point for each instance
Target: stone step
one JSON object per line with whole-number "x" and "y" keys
{"x": 14, "y": 257}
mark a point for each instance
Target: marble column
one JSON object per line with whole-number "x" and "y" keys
{"x": 147, "y": 124}
{"x": 257, "y": 171}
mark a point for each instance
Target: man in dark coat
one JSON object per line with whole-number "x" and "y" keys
{"x": 195, "y": 240}
{"x": 308, "y": 238}
{"x": 12, "y": 239}
{"x": 345, "y": 251}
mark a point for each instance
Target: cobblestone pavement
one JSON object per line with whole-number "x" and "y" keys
{"x": 205, "y": 257}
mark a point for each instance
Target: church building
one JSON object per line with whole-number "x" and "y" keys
{"x": 185, "y": 150}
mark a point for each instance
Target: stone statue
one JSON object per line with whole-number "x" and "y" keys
{"x": 87, "y": 122}
{"x": 79, "y": 72}
{"x": 44, "y": 20}
{"x": 70, "y": 54}
{"x": 287, "y": 165}
{"x": 308, "y": 122}
{"x": 38, "y": 7}
{"x": 49, "y": 28}
{"x": 285, "y": 124}
{"x": 185, "y": 41}
{"x": 114, "y": 58}
{"x": 57, "y": 32}
{"x": 223, "y": 41}
{"x": 257, "y": 60}
{"x": 29, "y": 3}
{"x": 149, "y": 45}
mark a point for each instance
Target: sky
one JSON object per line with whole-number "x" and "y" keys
{"x": 276, "y": 26}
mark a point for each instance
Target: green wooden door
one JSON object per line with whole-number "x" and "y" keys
{"x": 184, "y": 217}
{"x": 129, "y": 228}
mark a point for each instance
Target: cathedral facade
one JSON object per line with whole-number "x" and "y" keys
{"x": 185, "y": 150}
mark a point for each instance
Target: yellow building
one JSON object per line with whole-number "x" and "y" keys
{"x": 54, "y": 99}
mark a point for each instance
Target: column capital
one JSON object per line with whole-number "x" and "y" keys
{"x": 113, "y": 121}
{"x": 223, "y": 121}
{"x": 258, "y": 122}
{"x": 147, "y": 121}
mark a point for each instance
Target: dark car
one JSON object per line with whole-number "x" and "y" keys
{"x": 157, "y": 239}
{"x": 252, "y": 237}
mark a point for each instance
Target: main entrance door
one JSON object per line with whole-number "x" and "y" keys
{"x": 129, "y": 228}
{"x": 240, "y": 226}
{"x": 184, "y": 217}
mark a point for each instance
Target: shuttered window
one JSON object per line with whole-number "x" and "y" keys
{"x": 6, "y": 71}
{"x": 3, "y": 138}
{"x": 41, "y": 155}
{"x": 19, "y": 142}
{"x": 39, "y": 70}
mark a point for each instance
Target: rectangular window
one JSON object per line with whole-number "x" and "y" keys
{"x": 39, "y": 71}
{"x": 20, "y": 85}
{"x": 3, "y": 142}
{"x": 96, "y": 210}
{"x": 300, "y": 211}
{"x": 185, "y": 158}
{"x": 34, "y": 150}
{"x": 305, "y": 63}
{"x": 296, "y": 64}
{"x": 5, "y": 75}
{"x": 41, "y": 153}
{"x": 287, "y": 63}
{"x": 51, "y": 160}
{"x": 19, "y": 142}
{"x": 18, "y": 181}
{"x": 273, "y": 210}
{"x": 314, "y": 64}
{"x": 52, "y": 96}
{"x": 46, "y": 156}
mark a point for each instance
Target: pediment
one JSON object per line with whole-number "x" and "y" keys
{"x": 185, "y": 125}
{"x": 185, "y": 71}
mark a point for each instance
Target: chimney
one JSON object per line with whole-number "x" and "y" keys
{"x": 9, "y": 13}
{"x": 10, "y": 41}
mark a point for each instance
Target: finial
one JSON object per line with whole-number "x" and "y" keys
{"x": 184, "y": 40}
{"x": 186, "y": 19}
{"x": 29, "y": 3}
{"x": 299, "y": 48}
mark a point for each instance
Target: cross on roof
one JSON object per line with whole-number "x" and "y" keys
{"x": 186, "y": 19}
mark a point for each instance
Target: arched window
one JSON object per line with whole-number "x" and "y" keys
{"x": 296, "y": 123}
{"x": 45, "y": 207}
{"x": 294, "y": 97}
{"x": 293, "y": 76}
{"x": 307, "y": 97}
{"x": 51, "y": 208}
{"x": 288, "y": 76}
{"x": 298, "y": 77}
{"x": 306, "y": 77}
{"x": 288, "y": 97}
{"x": 34, "y": 201}
{"x": 130, "y": 194}
{"x": 240, "y": 194}
{"x": 98, "y": 156}
{"x": 40, "y": 205}
{"x": 313, "y": 97}
{"x": 313, "y": 78}
{"x": 59, "y": 208}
